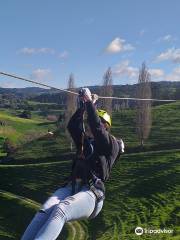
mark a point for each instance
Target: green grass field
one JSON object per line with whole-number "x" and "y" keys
{"x": 165, "y": 126}
{"x": 143, "y": 189}
{"x": 163, "y": 135}
{"x": 19, "y": 130}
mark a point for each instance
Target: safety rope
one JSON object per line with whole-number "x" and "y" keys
{"x": 75, "y": 93}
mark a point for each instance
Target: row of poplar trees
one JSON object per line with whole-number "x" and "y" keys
{"x": 143, "y": 109}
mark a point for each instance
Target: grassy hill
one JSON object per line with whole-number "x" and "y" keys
{"x": 10, "y": 224}
{"x": 16, "y": 128}
{"x": 143, "y": 189}
{"x": 20, "y": 130}
{"x": 165, "y": 125}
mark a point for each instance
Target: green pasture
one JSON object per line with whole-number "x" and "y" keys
{"x": 143, "y": 191}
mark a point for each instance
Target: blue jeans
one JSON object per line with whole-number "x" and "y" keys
{"x": 60, "y": 208}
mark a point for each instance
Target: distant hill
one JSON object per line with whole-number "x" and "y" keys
{"x": 160, "y": 90}
{"x": 24, "y": 92}
{"x": 166, "y": 86}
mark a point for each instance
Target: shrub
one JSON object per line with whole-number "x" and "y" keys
{"x": 25, "y": 114}
{"x": 8, "y": 146}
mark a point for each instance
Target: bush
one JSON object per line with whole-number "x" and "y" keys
{"x": 8, "y": 146}
{"x": 25, "y": 114}
{"x": 2, "y": 123}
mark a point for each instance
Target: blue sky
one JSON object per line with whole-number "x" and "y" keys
{"x": 48, "y": 40}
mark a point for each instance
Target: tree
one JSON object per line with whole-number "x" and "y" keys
{"x": 70, "y": 104}
{"x": 25, "y": 114}
{"x": 143, "y": 113}
{"x": 107, "y": 90}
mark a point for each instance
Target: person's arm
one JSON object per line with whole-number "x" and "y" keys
{"x": 75, "y": 127}
{"x": 98, "y": 130}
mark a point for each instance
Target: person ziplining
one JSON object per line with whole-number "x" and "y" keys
{"x": 84, "y": 193}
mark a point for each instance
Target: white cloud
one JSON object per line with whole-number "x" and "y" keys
{"x": 8, "y": 84}
{"x": 27, "y": 51}
{"x": 118, "y": 45}
{"x": 41, "y": 75}
{"x": 64, "y": 55}
{"x": 174, "y": 75}
{"x": 32, "y": 51}
{"x": 123, "y": 69}
{"x": 47, "y": 50}
{"x": 172, "y": 54}
{"x": 167, "y": 38}
{"x": 156, "y": 73}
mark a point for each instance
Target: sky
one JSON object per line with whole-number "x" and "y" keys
{"x": 47, "y": 40}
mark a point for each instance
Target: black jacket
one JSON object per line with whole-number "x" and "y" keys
{"x": 106, "y": 148}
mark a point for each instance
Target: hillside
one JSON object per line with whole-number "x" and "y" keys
{"x": 143, "y": 189}
{"x": 19, "y": 130}
{"x": 128, "y": 89}
{"x": 160, "y": 90}
{"x": 16, "y": 128}
{"x": 165, "y": 126}
{"x": 164, "y": 89}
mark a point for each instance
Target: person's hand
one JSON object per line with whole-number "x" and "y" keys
{"x": 94, "y": 98}
{"x": 85, "y": 94}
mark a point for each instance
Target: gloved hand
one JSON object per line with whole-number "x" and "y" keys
{"x": 85, "y": 94}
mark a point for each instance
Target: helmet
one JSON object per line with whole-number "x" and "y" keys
{"x": 104, "y": 115}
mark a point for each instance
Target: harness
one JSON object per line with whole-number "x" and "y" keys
{"x": 94, "y": 183}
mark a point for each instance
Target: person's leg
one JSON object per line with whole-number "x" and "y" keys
{"x": 98, "y": 207}
{"x": 42, "y": 215}
{"x": 80, "y": 205}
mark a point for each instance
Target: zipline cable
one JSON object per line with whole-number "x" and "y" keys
{"x": 139, "y": 99}
{"x": 37, "y": 83}
{"x": 75, "y": 93}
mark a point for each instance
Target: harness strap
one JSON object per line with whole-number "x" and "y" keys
{"x": 95, "y": 186}
{"x": 99, "y": 196}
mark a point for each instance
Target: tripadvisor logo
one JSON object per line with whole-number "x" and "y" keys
{"x": 140, "y": 231}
